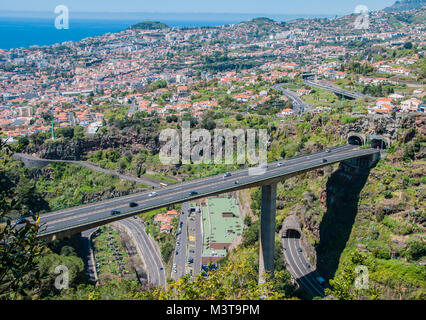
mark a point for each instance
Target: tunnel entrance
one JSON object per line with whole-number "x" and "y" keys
{"x": 378, "y": 143}
{"x": 355, "y": 140}
{"x": 291, "y": 233}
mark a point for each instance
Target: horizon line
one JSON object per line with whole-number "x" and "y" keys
{"x": 170, "y": 12}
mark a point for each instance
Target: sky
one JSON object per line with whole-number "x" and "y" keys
{"x": 308, "y": 7}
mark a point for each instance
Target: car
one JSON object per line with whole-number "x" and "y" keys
{"x": 190, "y": 260}
{"x": 236, "y": 182}
{"x": 114, "y": 212}
{"x": 177, "y": 252}
{"x": 226, "y": 175}
{"x": 324, "y": 160}
{"x": 152, "y": 194}
{"x": 328, "y": 151}
{"x": 161, "y": 268}
{"x": 191, "y": 251}
{"x": 183, "y": 212}
{"x": 193, "y": 193}
{"x": 299, "y": 249}
{"x": 21, "y": 220}
{"x": 308, "y": 266}
{"x": 321, "y": 280}
{"x": 135, "y": 217}
{"x": 280, "y": 164}
{"x": 133, "y": 204}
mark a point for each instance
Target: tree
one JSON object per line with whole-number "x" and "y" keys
{"x": 408, "y": 45}
{"x": 343, "y": 285}
{"x": 19, "y": 246}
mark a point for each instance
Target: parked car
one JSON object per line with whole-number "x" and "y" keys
{"x": 114, "y": 212}
{"x": 133, "y": 204}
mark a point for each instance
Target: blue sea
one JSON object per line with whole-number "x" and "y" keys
{"x": 25, "y": 30}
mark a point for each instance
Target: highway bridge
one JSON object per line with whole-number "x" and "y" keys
{"x": 73, "y": 220}
{"x": 309, "y": 79}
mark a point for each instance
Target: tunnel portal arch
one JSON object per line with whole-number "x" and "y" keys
{"x": 378, "y": 142}
{"x": 291, "y": 227}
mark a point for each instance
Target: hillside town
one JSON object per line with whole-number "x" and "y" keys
{"x": 160, "y": 71}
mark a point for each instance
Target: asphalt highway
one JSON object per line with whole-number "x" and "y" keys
{"x": 350, "y": 94}
{"x": 298, "y": 266}
{"x": 147, "y": 250}
{"x": 299, "y": 106}
{"x": 99, "y": 213}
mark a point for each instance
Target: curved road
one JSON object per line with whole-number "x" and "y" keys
{"x": 145, "y": 181}
{"x": 297, "y": 264}
{"x": 299, "y": 106}
{"x": 147, "y": 250}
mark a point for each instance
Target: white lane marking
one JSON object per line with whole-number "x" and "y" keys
{"x": 145, "y": 193}
{"x": 303, "y": 273}
{"x": 297, "y": 270}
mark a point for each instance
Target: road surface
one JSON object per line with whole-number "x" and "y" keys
{"x": 99, "y": 213}
{"x": 300, "y": 268}
{"x": 147, "y": 250}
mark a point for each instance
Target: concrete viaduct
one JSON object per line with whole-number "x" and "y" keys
{"x": 73, "y": 220}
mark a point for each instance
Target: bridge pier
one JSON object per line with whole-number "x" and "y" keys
{"x": 267, "y": 231}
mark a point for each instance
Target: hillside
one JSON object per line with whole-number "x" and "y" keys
{"x": 405, "y": 5}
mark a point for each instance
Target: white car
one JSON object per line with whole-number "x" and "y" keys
{"x": 152, "y": 194}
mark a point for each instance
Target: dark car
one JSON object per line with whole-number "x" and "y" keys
{"x": 114, "y": 212}
{"x": 133, "y": 204}
{"x": 21, "y": 220}
{"x": 299, "y": 249}
{"x": 328, "y": 150}
{"x": 324, "y": 160}
{"x": 193, "y": 193}
{"x": 226, "y": 175}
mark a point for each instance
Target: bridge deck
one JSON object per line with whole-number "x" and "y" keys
{"x": 84, "y": 217}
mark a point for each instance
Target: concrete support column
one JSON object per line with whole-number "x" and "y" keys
{"x": 267, "y": 230}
